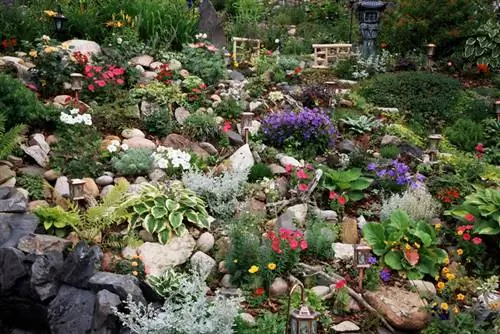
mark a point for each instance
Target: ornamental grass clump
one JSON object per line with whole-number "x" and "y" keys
{"x": 308, "y": 130}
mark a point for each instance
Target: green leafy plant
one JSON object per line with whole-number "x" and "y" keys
{"x": 56, "y": 220}
{"x": 133, "y": 162}
{"x": 34, "y": 184}
{"x": 168, "y": 283}
{"x": 406, "y": 245}
{"x": 158, "y": 92}
{"x": 350, "y": 182}
{"x": 258, "y": 172}
{"x": 362, "y": 124}
{"x": 320, "y": 237}
{"x": 484, "y": 206}
{"x": 164, "y": 211}
{"x": 205, "y": 61}
{"x": 389, "y": 151}
{"x": 201, "y": 126}
{"x": 159, "y": 123}
{"x": 229, "y": 108}
{"x": 465, "y": 134}
{"x": 134, "y": 267}
{"x": 269, "y": 323}
{"x": 8, "y": 139}
{"x": 484, "y": 47}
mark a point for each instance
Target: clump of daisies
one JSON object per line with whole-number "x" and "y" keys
{"x": 115, "y": 146}
{"x": 173, "y": 161}
{"x": 73, "y": 116}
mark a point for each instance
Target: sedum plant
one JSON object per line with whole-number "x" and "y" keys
{"x": 362, "y": 124}
{"x": 406, "y": 245}
{"x": 418, "y": 203}
{"x": 164, "y": 211}
{"x": 195, "y": 313}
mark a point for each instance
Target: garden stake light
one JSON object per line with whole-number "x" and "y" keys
{"x": 303, "y": 320}
{"x": 76, "y": 83}
{"x": 246, "y": 124}
{"x": 361, "y": 256}
{"x": 59, "y": 20}
{"x": 431, "y": 50}
{"x": 434, "y": 141}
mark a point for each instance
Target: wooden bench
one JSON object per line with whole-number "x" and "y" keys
{"x": 326, "y": 54}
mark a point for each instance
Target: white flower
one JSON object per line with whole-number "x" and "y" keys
{"x": 45, "y": 38}
{"x": 124, "y": 147}
{"x": 119, "y": 40}
{"x": 162, "y": 163}
{"x": 111, "y": 148}
{"x": 204, "y": 36}
{"x": 277, "y": 40}
{"x": 115, "y": 142}
{"x": 74, "y": 111}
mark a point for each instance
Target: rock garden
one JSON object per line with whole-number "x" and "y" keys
{"x": 249, "y": 166}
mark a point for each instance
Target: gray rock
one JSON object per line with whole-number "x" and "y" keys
{"x": 235, "y": 138}
{"x": 24, "y": 193}
{"x": 80, "y": 265}
{"x": 279, "y": 287}
{"x": 254, "y": 105}
{"x": 248, "y": 319}
{"x": 41, "y": 243}
{"x": 84, "y": 46}
{"x": 143, "y": 60}
{"x": 225, "y": 282}
{"x": 157, "y": 257}
{"x": 104, "y": 180}
{"x": 328, "y": 215}
{"x": 390, "y": 140}
{"x": 149, "y": 108}
{"x": 11, "y": 183}
{"x": 387, "y": 110}
{"x": 131, "y": 133}
{"x": 242, "y": 159}
{"x": 104, "y": 316}
{"x": 361, "y": 222}
{"x": 51, "y": 175}
{"x": 209, "y": 148}
{"x": 211, "y": 24}
{"x": 174, "y": 65}
{"x": 62, "y": 186}
{"x": 44, "y": 274}
{"x": 320, "y": 290}
{"x": 157, "y": 174}
{"x": 11, "y": 262}
{"x": 7, "y": 163}
{"x": 181, "y": 114}
{"x": 32, "y": 170}
{"x": 129, "y": 252}
{"x": 37, "y": 153}
{"x": 286, "y": 160}
{"x": 343, "y": 251}
{"x": 71, "y": 311}
{"x": 424, "y": 288}
{"x": 39, "y": 139}
{"x": 205, "y": 242}
{"x": 105, "y": 190}
{"x": 14, "y": 226}
{"x": 277, "y": 169}
{"x": 345, "y": 327}
{"x": 122, "y": 285}
{"x": 15, "y": 203}
{"x": 33, "y": 205}
{"x": 146, "y": 236}
{"x": 5, "y": 192}
{"x": 203, "y": 263}
{"x": 286, "y": 221}
{"x": 299, "y": 213}
{"x": 139, "y": 142}
{"x": 6, "y": 173}
{"x": 237, "y": 76}
{"x": 347, "y": 146}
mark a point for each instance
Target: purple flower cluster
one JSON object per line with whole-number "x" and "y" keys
{"x": 305, "y": 127}
{"x": 372, "y": 260}
{"x": 385, "y": 275}
{"x": 399, "y": 172}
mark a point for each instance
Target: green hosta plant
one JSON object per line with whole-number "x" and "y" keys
{"x": 406, "y": 245}
{"x": 56, "y": 220}
{"x": 362, "y": 124}
{"x": 164, "y": 211}
{"x": 168, "y": 283}
{"x": 350, "y": 182}
{"x": 481, "y": 207}
{"x": 485, "y": 47}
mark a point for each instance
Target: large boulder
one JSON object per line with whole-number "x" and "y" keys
{"x": 122, "y": 285}
{"x": 80, "y": 265}
{"x": 83, "y": 46}
{"x": 45, "y": 273}
{"x": 14, "y": 226}
{"x": 242, "y": 159}
{"x": 203, "y": 263}
{"x": 403, "y": 309}
{"x": 16, "y": 202}
{"x": 104, "y": 318}
{"x": 11, "y": 267}
{"x": 41, "y": 243}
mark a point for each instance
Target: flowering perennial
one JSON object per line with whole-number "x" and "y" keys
{"x": 74, "y": 117}
{"x": 398, "y": 172}
{"x": 166, "y": 157}
{"x": 103, "y": 77}
{"x": 287, "y": 239}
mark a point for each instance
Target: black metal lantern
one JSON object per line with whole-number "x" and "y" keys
{"x": 362, "y": 253}
{"x": 77, "y": 189}
{"x": 302, "y": 320}
{"x": 246, "y": 124}
{"x": 59, "y": 20}
{"x": 369, "y": 12}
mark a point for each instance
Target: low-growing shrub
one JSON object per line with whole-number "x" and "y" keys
{"x": 205, "y": 61}
{"x": 418, "y": 203}
{"x": 258, "y": 172}
{"x": 427, "y": 98}
{"x": 230, "y": 108}
{"x": 133, "y": 162}
{"x": 201, "y": 126}
{"x": 34, "y": 184}
{"x": 159, "y": 123}
{"x": 465, "y": 134}
{"x": 389, "y": 151}
{"x": 320, "y": 237}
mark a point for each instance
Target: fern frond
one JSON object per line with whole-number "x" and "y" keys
{"x": 9, "y": 140}
{"x": 3, "y": 119}
{"x": 110, "y": 210}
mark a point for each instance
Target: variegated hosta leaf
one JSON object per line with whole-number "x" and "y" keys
{"x": 159, "y": 211}
{"x": 175, "y": 218}
{"x": 149, "y": 223}
{"x": 141, "y": 208}
{"x": 181, "y": 230}
{"x": 164, "y": 236}
{"x": 172, "y": 205}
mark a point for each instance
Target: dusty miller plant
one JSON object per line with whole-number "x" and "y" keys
{"x": 416, "y": 202}
{"x": 220, "y": 192}
{"x": 196, "y": 313}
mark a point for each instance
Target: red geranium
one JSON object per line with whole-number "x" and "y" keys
{"x": 476, "y": 240}
{"x": 466, "y": 236}
{"x": 340, "y": 284}
{"x": 259, "y": 291}
{"x": 470, "y": 218}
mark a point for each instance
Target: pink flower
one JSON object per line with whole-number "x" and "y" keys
{"x": 333, "y": 195}
{"x": 88, "y": 68}
{"x": 470, "y": 218}
{"x": 288, "y": 168}
{"x": 301, "y": 174}
{"x": 340, "y": 284}
{"x": 227, "y": 126}
{"x": 118, "y": 71}
{"x": 120, "y": 81}
{"x": 303, "y": 187}
{"x": 293, "y": 244}
{"x": 342, "y": 200}
{"x": 303, "y": 244}
{"x": 275, "y": 245}
{"x": 91, "y": 87}
{"x": 466, "y": 236}
{"x": 284, "y": 233}
{"x": 98, "y": 69}
{"x": 476, "y": 240}
{"x": 100, "y": 83}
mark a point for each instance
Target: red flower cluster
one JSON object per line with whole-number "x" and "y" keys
{"x": 340, "y": 284}
{"x": 286, "y": 237}
{"x": 301, "y": 175}
{"x": 448, "y": 195}
{"x": 463, "y": 230}
{"x": 80, "y": 58}
{"x": 165, "y": 74}
{"x": 479, "y": 150}
{"x": 196, "y": 93}
{"x": 103, "y": 77}
{"x": 334, "y": 196}
{"x": 259, "y": 291}
{"x": 7, "y": 43}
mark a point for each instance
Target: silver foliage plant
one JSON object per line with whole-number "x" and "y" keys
{"x": 195, "y": 313}
{"x": 416, "y": 202}
{"x": 220, "y": 192}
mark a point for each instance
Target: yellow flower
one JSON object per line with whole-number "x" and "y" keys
{"x": 460, "y": 232}
{"x": 271, "y": 266}
{"x": 436, "y": 278}
{"x": 460, "y": 296}
{"x": 405, "y": 238}
{"x": 460, "y": 252}
{"x": 33, "y": 53}
{"x": 438, "y": 226}
{"x": 450, "y": 276}
{"x": 253, "y": 269}
{"x": 444, "y": 306}
{"x": 456, "y": 310}
{"x": 135, "y": 273}
{"x": 49, "y": 49}
{"x": 440, "y": 285}
{"x": 407, "y": 247}
{"x": 119, "y": 24}
{"x": 64, "y": 46}
{"x": 417, "y": 245}
{"x": 134, "y": 264}
{"x": 445, "y": 270}
{"x": 50, "y": 13}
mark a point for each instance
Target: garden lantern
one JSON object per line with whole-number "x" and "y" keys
{"x": 369, "y": 12}
{"x": 76, "y": 83}
{"x": 246, "y": 124}
{"x": 497, "y": 107}
{"x": 302, "y": 320}
{"x": 431, "y": 50}
{"x": 361, "y": 255}
{"x": 76, "y": 189}
{"x": 434, "y": 140}
{"x": 59, "y": 20}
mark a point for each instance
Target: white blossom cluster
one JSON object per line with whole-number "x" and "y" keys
{"x": 115, "y": 146}
{"x": 74, "y": 117}
{"x": 276, "y": 96}
{"x": 200, "y": 36}
{"x": 166, "y": 157}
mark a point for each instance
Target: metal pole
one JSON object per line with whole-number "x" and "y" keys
{"x": 351, "y": 3}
